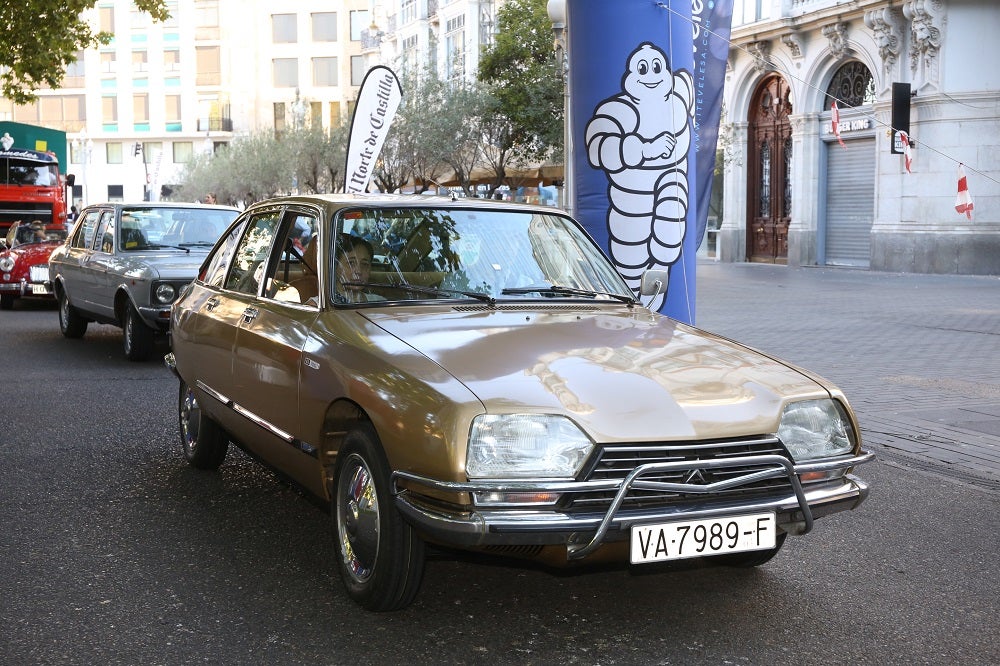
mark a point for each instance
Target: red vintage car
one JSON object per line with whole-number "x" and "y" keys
{"x": 24, "y": 261}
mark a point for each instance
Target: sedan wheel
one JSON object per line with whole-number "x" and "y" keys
{"x": 71, "y": 323}
{"x": 380, "y": 556}
{"x": 205, "y": 443}
{"x": 139, "y": 338}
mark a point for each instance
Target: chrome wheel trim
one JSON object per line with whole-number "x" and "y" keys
{"x": 358, "y": 518}
{"x": 190, "y": 414}
{"x": 129, "y": 331}
{"x": 64, "y": 312}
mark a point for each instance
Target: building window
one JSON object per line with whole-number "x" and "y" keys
{"x": 172, "y": 61}
{"x": 109, "y": 109}
{"x": 359, "y": 22}
{"x": 75, "y": 76}
{"x": 183, "y": 152}
{"x": 324, "y": 72}
{"x": 335, "y": 114}
{"x": 316, "y": 114}
{"x": 113, "y": 152}
{"x": 108, "y": 63}
{"x": 357, "y": 70}
{"x": 410, "y": 44}
{"x": 106, "y": 19}
{"x": 208, "y": 62}
{"x": 852, "y": 85}
{"x": 172, "y": 112}
{"x": 455, "y": 47}
{"x": 116, "y": 192}
{"x": 151, "y": 151}
{"x": 324, "y": 26}
{"x": 65, "y": 112}
{"x": 140, "y": 108}
{"x": 408, "y": 11}
{"x": 286, "y": 72}
{"x": 171, "y": 21}
{"x": 750, "y": 11}
{"x": 140, "y": 61}
{"x": 284, "y": 29}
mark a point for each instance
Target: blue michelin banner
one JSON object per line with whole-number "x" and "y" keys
{"x": 631, "y": 67}
{"x": 712, "y": 27}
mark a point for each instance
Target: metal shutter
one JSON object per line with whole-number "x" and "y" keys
{"x": 850, "y": 203}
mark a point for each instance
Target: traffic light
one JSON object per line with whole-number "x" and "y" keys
{"x": 138, "y": 149}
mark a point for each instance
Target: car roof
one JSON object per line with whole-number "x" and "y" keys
{"x": 342, "y": 200}
{"x": 161, "y": 204}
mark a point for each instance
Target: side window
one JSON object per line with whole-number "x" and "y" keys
{"x": 293, "y": 276}
{"x": 106, "y": 233}
{"x": 85, "y": 232}
{"x": 216, "y": 269}
{"x": 247, "y": 269}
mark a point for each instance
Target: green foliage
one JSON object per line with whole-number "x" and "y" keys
{"x": 522, "y": 73}
{"x": 40, "y": 38}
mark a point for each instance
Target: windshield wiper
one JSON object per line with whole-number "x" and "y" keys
{"x": 160, "y": 246}
{"x": 569, "y": 291}
{"x": 430, "y": 291}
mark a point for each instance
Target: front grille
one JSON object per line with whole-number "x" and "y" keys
{"x": 615, "y": 462}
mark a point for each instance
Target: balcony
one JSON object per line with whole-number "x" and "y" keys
{"x": 215, "y": 124}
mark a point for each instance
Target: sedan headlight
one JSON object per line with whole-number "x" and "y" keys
{"x": 165, "y": 293}
{"x": 6, "y": 264}
{"x": 816, "y": 429}
{"x": 517, "y": 446}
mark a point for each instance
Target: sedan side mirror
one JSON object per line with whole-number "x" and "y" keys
{"x": 654, "y": 282}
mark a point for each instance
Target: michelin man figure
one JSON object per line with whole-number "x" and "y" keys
{"x": 640, "y": 138}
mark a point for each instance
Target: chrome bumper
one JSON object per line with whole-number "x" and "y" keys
{"x": 583, "y": 533}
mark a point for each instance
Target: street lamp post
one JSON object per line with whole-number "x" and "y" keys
{"x": 560, "y": 29}
{"x": 84, "y": 147}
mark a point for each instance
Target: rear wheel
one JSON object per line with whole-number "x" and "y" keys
{"x": 381, "y": 558}
{"x": 205, "y": 443}
{"x": 139, "y": 339}
{"x": 753, "y": 558}
{"x": 71, "y": 323}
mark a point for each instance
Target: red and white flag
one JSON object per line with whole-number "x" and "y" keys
{"x": 835, "y": 122}
{"x": 904, "y": 138}
{"x": 963, "y": 202}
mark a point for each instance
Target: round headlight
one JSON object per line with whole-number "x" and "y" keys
{"x": 6, "y": 264}
{"x": 165, "y": 293}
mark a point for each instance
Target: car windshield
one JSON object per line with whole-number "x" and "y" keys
{"x": 489, "y": 255}
{"x": 156, "y": 228}
{"x": 36, "y": 232}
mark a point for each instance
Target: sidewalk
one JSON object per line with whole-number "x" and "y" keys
{"x": 917, "y": 355}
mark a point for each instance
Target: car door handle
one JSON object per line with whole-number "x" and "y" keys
{"x": 250, "y": 314}
{"x": 212, "y": 303}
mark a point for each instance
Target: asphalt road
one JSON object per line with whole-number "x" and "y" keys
{"x": 114, "y": 551}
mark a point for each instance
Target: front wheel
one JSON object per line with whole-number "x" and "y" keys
{"x": 205, "y": 443}
{"x": 381, "y": 558}
{"x": 139, "y": 339}
{"x": 71, "y": 323}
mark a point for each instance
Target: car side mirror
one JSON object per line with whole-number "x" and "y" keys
{"x": 654, "y": 282}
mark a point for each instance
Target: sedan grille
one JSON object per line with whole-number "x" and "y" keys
{"x": 615, "y": 462}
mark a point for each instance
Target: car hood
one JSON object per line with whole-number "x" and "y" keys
{"x": 622, "y": 375}
{"x": 32, "y": 253}
{"x": 174, "y": 265}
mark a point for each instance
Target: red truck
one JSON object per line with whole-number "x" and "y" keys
{"x": 31, "y": 188}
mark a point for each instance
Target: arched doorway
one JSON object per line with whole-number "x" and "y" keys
{"x": 769, "y": 190}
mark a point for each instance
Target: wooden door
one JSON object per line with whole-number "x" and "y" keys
{"x": 769, "y": 193}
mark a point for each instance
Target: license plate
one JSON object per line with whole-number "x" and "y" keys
{"x": 699, "y": 538}
{"x": 39, "y": 289}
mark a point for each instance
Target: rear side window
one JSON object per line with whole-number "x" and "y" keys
{"x": 215, "y": 272}
{"x": 84, "y": 237}
{"x": 246, "y": 270}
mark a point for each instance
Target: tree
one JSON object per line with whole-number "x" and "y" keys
{"x": 522, "y": 73}
{"x": 40, "y": 38}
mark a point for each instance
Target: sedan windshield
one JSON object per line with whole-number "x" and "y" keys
{"x": 487, "y": 255}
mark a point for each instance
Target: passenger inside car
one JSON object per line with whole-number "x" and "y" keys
{"x": 353, "y": 265}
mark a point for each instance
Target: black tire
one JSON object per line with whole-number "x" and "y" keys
{"x": 71, "y": 323}
{"x": 753, "y": 558}
{"x": 381, "y": 558}
{"x": 205, "y": 444}
{"x": 6, "y": 301}
{"x": 139, "y": 339}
